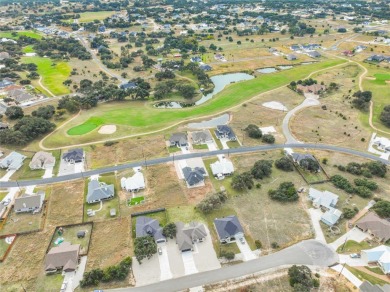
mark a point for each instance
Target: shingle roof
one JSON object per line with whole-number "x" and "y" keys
{"x": 42, "y": 159}
{"x": 34, "y": 201}
{"x": 147, "y": 226}
{"x": 331, "y": 216}
{"x": 222, "y": 167}
{"x": 99, "y": 191}
{"x": 228, "y": 226}
{"x": 368, "y": 287}
{"x": 178, "y": 138}
{"x": 299, "y": 156}
{"x": 65, "y": 254}
{"x": 193, "y": 176}
{"x": 74, "y": 154}
{"x": 201, "y": 136}
{"x": 14, "y": 160}
{"x": 187, "y": 234}
{"x": 325, "y": 199}
{"x": 135, "y": 182}
{"x": 378, "y": 226}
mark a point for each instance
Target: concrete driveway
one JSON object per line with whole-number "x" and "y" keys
{"x": 247, "y": 253}
{"x": 204, "y": 254}
{"x": 347, "y": 274}
{"x": 163, "y": 260}
{"x": 189, "y": 263}
{"x": 148, "y": 272}
{"x": 315, "y": 216}
{"x": 354, "y": 234}
{"x": 48, "y": 173}
{"x": 224, "y": 143}
{"x": 8, "y": 175}
{"x": 345, "y": 258}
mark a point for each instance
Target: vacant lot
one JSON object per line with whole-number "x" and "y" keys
{"x": 66, "y": 204}
{"x": 98, "y": 15}
{"x": 22, "y": 222}
{"x": 24, "y": 264}
{"x": 69, "y": 234}
{"x": 126, "y": 150}
{"x": 16, "y": 35}
{"x": 111, "y": 242}
{"x": 53, "y": 73}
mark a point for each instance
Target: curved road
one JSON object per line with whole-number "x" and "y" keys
{"x": 161, "y": 160}
{"x": 308, "y": 252}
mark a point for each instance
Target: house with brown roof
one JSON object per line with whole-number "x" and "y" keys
{"x": 375, "y": 226}
{"x": 42, "y": 160}
{"x": 19, "y": 95}
{"x": 65, "y": 257}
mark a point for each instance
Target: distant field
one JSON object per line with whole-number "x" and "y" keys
{"x": 31, "y": 34}
{"x": 91, "y": 16}
{"x": 143, "y": 118}
{"x": 53, "y": 73}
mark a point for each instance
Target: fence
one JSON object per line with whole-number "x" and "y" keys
{"x": 9, "y": 247}
{"x": 148, "y": 212}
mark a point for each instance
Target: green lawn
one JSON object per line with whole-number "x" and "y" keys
{"x": 70, "y": 235}
{"x": 140, "y": 118}
{"x": 364, "y": 276}
{"x": 91, "y": 16}
{"x": 87, "y": 127}
{"x": 3, "y": 247}
{"x": 352, "y": 246}
{"x": 53, "y": 73}
{"x": 376, "y": 270}
{"x": 200, "y": 147}
{"x": 136, "y": 201}
{"x": 9, "y": 35}
{"x": 28, "y": 49}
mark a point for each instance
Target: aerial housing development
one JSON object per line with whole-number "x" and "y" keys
{"x": 194, "y": 145}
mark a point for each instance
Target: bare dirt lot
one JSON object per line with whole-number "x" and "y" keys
{"x": 66, "y": 204}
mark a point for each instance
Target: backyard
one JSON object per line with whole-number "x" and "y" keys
{"x": 22, "y": 222}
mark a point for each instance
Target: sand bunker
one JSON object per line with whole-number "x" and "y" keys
{"x": 275, "y": 105}
{"x": 107, "y": 129}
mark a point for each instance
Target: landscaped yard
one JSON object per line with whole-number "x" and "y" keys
{"x": 140, "y": 118}
{"x": 364, "y": 276}
{"x": 53, "y": 73}
{"x": 352, "y": 246}
{"x": 136, "y": 200}
{"x": 69, "y": 234}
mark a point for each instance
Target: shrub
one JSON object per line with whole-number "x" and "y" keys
{"x": 254, "y": 131}
{"x": 242, "y": 181}
{"x": 274, "y": 245}
{"x": 286, "y": 192}
{"x": 268, "y": 138}
{"x": 228, "y": 255}
{"x": 350, "y": 213}
{"x": 261, "y": 169}
{"x": 382, "y": 208}
{"x": 366, "y": 183}
{"x": 110, "y": 143}
{"x": 212, "y": 202}
{"x": 300, "y": 278}
{"x": 385, "y": 116}
{"x": 169, "y": 230}
{"x": 284, "y": 164}
{"x": 342, "y": 183}
{"x": 258, "y": 244}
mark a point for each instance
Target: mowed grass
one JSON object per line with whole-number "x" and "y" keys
{"x": 143, "y": 118}
{"x": 91, "y": 16}
{"x": 69, "y": 234}
{"x": 28, "y": 49}
{"x": 87, "y": 127}
{"x": 53, "y": 73}
{"x": 31, "y": 34}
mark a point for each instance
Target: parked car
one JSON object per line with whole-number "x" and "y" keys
{"x": 355, "y": 255}
{"x": 159, "y": 250}
{"x": 242, "y": 240}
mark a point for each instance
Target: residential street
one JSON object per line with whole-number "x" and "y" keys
{"x": 309, "y": 252}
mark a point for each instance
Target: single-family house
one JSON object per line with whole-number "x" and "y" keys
{"x": 4, "y": 83}
{"x": 379, "y": 255}
{"x": 376, "y": 58}
{"x": 201, "y": 137}
{"x": 228, "y": 229}
{"x": 196, "y": 59}
{"x": 205, "y": 67}
{"x": 129, "y": 85}
{"x": 134, "y": 183}
{"x": 19, "y": 95}
{"x": 222, "y": 168}
{"x": 382, "y": 143}
{"x": 368, "y": 287}
{"x": 375, "y": 226}
{"x": 331, "y": 216}
{"x": 324, "y": 199}
{"x": 42, "y": 160}
{"x": 295, "y": 47}
{"x": 12, "y": 161}
{"x": 193, "y": 176}
{"x": 99, "y": 191}
{"x": 187, "y": 235}
{"x": 298, "y": 157}
{"x": 178, "y": 140}
{"x": 291, "y": 57}
{"x": 314, "y": 54}
{"x": 65, "y": 257}
{"x": 102, "y": 28}
{"x": 74, "y": 156}
{"x": 146, "y": 226}
{"x": 27, "y": 203}
{"x": 224, "y": 131}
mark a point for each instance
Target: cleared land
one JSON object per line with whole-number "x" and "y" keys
{"x": 66, "y": 204}
{"x": 139, "y": 117}
{"x": 98, "y": 15}
{"x": 53, "y": 73}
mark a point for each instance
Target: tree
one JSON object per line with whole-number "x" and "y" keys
{"x": 362, "y": 99}
{"x": 363, "y": 192}
{"x": 342, "y": 183}
{"x": 242, "y": 181}
{"x": 45, "y": 112}
{"x": 285, "y": 164}
{"x": 300, "y": 278}
{"x": 261, "y": 169}
{"x": 33, "y": 127}
{"x": 309, "y": 164}
{"x": 268, "y": 138}
{"x": 349, "y": 213}
{"x": 187, "y": 91}
{"x": 376, "y": 168}
{"x": 286, "y": 192}
{"x": 253, "y": 131}
{"x": 212, "y": 202}
{"x": 14, "y": 112}
{"x": 169, "y": 230}
{"x": 371, "y": 185}
{"x": 144, "y": 247}
{"x": 385, "y": 116}
{"x": 382, "y": 208}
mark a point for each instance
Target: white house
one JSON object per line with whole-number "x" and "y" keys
{"x": 382, "y": 143}
{"x": 324, "y": 199}
{"x": 13, "y": 161}
{"x": 134, "y": 183}
{"x": 379, "y": 255}
{"x": 222, "y": 168}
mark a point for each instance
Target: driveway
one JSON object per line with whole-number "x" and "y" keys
{"x": 315, "y": 216}
{"x": 30, "y": 190}
{"x": 48, "y": 173}
{"x": 69, "y": 168}
{"x": 148, "y": 272}
{"x": 345, "y": 258}
{"x": 224, "y": 143}
{"x": 354, "y": 234}
{"x": 7, "y": 176}
{"x": 164, "y": 263}
{"x": 347, "y": 274}
{"x": 212, "y": 146}
{"x": 247, "y": 253}
{"x": 189, "y": 263}
{"x": 204, "y": 254}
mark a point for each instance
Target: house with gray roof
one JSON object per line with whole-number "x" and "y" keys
{"x": 224, "y": 131}
{"x": 298, "y": 157}
{"x": 64, "y": 257}
{"x": 12, "y": 161}
{"x": 74, "y": 156}
{"x": 324, "y": 199}
{"x": 201, "y": 137}
{"x": 368, "y": 287}
{"x": 193, "y": 176}
{"x": 146, "y": 226}
{"x": 228, "y": 229}
{"x": 291, "y": 57}
{"x": 331, "y": 217}
{"x": 19, "y": 95}
{"x": 42, "y": 160}
{"x": 27, "y": 203}
{"x": 99, "y": 191}
{"x": 178, "y": 140}
{"x": 188, "y": 234}
{"x": 222, "y": 168}
{"x": 314, "y": 54}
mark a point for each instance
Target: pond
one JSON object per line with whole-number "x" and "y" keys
{"x": 219, "y": 81}
{"x": 212, "y": 123}
{"x": 285, "y": 67}
{"x": 267, "y": 70}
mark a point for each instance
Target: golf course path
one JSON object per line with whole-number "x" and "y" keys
{"x": 41, "y": 143}
{"x": 45, "y": 88}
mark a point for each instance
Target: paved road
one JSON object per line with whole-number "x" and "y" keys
{"x": 309, "y": 252}
{"x": 161, "y": 160}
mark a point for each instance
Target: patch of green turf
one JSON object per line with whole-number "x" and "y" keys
{"x": 28, "y": 49}
{"x": 200, "y": 146}
{"x": 352, "y": 246}
{"x": 98, "y": 15}
{"x": 364, "y": 276}
{"x": 136, "y": 201}
{"x": 17, "y": 34}
{"x": 381, "y": 78}
{"x": 87, "y": 127}
{"x": 53, "y": 73}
